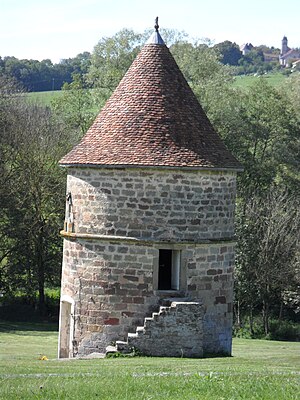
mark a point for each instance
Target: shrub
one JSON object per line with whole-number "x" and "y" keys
{"x": 279, "y": 330}
{"x": 19, "y": 307}
{"x": 284, "y": 330}
{"x": 245, "y": 332}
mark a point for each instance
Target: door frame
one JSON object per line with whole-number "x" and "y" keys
{"x": 62, "y": 338}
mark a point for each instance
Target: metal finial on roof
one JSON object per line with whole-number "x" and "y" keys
{"x": 156, "y": 24}
{"x": 155, "y": 38}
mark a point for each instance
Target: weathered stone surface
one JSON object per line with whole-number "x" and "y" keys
{"x": 175, "y": 331}
{"x": 110, "y": 305}
{"x": 112, "y": 281}
{"x": 164, "y": 214}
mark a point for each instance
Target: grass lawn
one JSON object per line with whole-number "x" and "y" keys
{"x": 258, "y": 370}
{"x": 43, "y": 98}
{"x": 244, "y": 81}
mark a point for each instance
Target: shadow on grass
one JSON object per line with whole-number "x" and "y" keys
{"x": 20, "y": 315}
{"x": 20, "y": 328}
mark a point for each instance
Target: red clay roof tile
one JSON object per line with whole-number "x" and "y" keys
{"x": 152, "y": 119}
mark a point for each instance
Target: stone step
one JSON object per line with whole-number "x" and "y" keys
{"x": 163, "y": 308}
{"x": 157, "y": 330}
{"x": 155, "y": 316}
{"x": 123, "y": 347}
{"x": 111, "y": 350}
{"x": 148, "y": 322}
{"x": 169, "y": 300}
{"x": 162, "y": 334}
{"x": 163, "y": 311}
{"x": 132, "y": 335}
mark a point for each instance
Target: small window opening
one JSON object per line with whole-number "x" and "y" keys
{"x": 169, "y": 269}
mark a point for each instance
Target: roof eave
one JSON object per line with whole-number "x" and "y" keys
{"x": 163, "y": 167}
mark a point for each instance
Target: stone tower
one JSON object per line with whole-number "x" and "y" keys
{"x": 284, "y": 45}
{"x": 149, "y": 230}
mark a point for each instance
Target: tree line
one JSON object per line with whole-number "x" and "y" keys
{"x": 261, "y": 126}
{"x": 36, "y": 76}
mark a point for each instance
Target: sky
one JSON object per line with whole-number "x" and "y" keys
{"x": 58, "y": 29}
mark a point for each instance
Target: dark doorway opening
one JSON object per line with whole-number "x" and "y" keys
{"x": 165, "y": 270}
{"x": 169, "y": 269}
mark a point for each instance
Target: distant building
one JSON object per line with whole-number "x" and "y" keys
{"x": 284, "y": 45}
{"x": 296, "y": 65}
{"x": 246, "y": 48}
{"x": 288, "y": 55}
{"x": 271, "y": 57}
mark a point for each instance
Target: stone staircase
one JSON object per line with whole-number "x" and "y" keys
{"x": 176, "y": 330}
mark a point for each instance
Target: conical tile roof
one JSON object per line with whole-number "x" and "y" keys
{"x": 152, "y": 119}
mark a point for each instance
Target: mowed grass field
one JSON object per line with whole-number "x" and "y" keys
{"x": 258, "y": 370}
{"x": 245, "y": 81}
{"x": 43, "y": 98}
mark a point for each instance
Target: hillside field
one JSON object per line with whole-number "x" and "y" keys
{"x": 259, "y": 369}
{"x": 242, "y": 81}
{"x": 245, "y": 81}
{"x": 43, "y": 98}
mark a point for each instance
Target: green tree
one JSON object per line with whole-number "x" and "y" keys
{"x": 252, "y": 62}
{"x": 291, "y": 89}
{"x": 42, "y": 75}
{"x": 31, "y": 196}
{"x": 261, "y": 127}
{"x": 110, "y": 60}
{"x": 10, "y": 97}
{"x": 230, "y": 52}
{"x": 203, "y": 70}
{"x": 267, "y": 252}
{"x": 76, "y": 105}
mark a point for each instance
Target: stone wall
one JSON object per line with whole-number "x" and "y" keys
{"x": 111, "y": 283}
{"x": 121, "y": 218}
{"x": 175, "y": 331}
{"x": 210, "y": 279}
{"x": 157, "y": 204}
